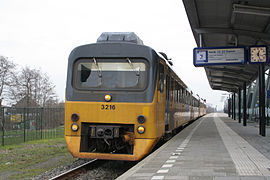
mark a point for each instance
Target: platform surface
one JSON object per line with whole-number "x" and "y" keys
{"x": 214, "y": 147}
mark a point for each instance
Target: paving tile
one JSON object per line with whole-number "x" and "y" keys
{"x": 227, "y": 178}
{"x": 142, "y": 174}
{"x": 252, "y": 178}
{"x": 200, "y": 178}
{"x": 177, "y": 177}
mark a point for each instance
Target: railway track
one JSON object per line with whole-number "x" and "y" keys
{"x": 96, "y": 169}
{"x": 75, "y": 172}
{"x": 96, "y": 165}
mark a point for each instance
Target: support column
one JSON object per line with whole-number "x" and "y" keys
{"x": 244, "y": 104}
{"x": 239, "y": 105}
{"x": 266, "y": 97}
{"x": 262, "y": 99}
{"x": 229, "y": 107}
{"x": 254, "y": 99}
{"x": 232, "y": 105}
{"x": 234, "y": 108}
{"x": 248, "y": 101}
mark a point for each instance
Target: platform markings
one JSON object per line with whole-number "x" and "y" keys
{"x": 167, "y": 165}
{"x": 163, "y": 171}
{"x": 175, "y": 155}
{"x": 248, "y": 160}
{"x": 170, "y": 161}
{"x": 157, "y": 177}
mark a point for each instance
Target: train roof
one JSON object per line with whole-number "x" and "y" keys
{"x": 108, "y": 37}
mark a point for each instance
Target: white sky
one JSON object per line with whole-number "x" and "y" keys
{"x": 41, "y": 34}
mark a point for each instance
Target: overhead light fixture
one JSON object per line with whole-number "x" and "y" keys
{"x": 253, "y": 10}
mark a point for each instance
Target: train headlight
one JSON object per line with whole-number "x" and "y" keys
{"x": 75, "y": 117}
{"x": 141, "y": 129}
{"x": 108, "y": 97}
{"x": 74, "y": 127}
{"x": 141, "y": 119}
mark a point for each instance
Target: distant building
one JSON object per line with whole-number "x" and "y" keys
{"x": 26, "y": 102}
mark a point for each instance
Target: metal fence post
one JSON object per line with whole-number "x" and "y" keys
{"x": 41, "y": 123}
{"x": 3, "y": 126}
{"x": 24, "y": 125}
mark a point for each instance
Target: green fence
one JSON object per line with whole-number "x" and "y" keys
{"x": 19, "y": 125}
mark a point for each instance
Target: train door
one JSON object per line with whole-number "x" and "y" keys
{"x": 161, "y": 99}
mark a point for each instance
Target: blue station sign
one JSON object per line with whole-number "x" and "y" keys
{"x": 268, "y": 94}
{"x": 218, "y": 56}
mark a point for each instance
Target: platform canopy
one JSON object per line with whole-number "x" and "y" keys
{"x": 219, "y": 23}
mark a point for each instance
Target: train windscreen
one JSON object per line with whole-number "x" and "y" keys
{"x": 110, "y": 75}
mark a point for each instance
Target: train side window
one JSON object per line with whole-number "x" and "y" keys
{"x": 168, "y": 87}
{"x": 188, "y": 98}
{"x": 181, "y": 95}
{"x": 161, "y": 78}
{"x": 172, "y": 89}
{"x": 176, "y": 92}
{"x": 185, "y": 97}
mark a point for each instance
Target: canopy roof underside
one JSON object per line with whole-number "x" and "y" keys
{"x": 229, "y": 23}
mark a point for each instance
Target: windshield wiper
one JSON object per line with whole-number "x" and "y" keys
{"x": 132, "y": 66}
{"x": 99, "y": 72}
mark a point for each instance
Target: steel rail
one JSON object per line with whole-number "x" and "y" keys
{"x": 73, "y": 172}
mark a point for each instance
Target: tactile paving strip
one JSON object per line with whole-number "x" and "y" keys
{"x": 248, "y": 160}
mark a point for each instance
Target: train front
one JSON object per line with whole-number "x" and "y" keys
{"x": 110, "y": 99}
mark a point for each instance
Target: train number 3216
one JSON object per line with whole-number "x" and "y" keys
{"x": 107, "y": 107}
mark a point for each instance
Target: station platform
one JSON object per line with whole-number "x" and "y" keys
{"x": 214, "y": 147}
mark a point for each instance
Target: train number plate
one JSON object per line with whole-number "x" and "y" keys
{"x": 108, "y": 107}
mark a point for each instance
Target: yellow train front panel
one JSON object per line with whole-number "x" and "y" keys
{"x": 110, "y": 118}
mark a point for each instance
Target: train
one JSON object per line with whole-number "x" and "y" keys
{"x": 122, "y": 98}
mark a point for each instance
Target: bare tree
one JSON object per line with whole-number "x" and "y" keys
{"x": 44, "y": 91}
{"x": 32, "y": 86}
{"x": 7, "y": 69}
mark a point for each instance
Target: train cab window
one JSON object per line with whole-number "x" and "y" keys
{"x": 106, "y": 74}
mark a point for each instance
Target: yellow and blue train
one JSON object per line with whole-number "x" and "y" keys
{"x": 122, "y": 97}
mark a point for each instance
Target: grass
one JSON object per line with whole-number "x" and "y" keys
{"x": 30, "y": 159}
{"x": 17, "y": 136}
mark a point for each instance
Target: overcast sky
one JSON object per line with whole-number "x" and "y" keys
{"x": 42, "y": 33}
